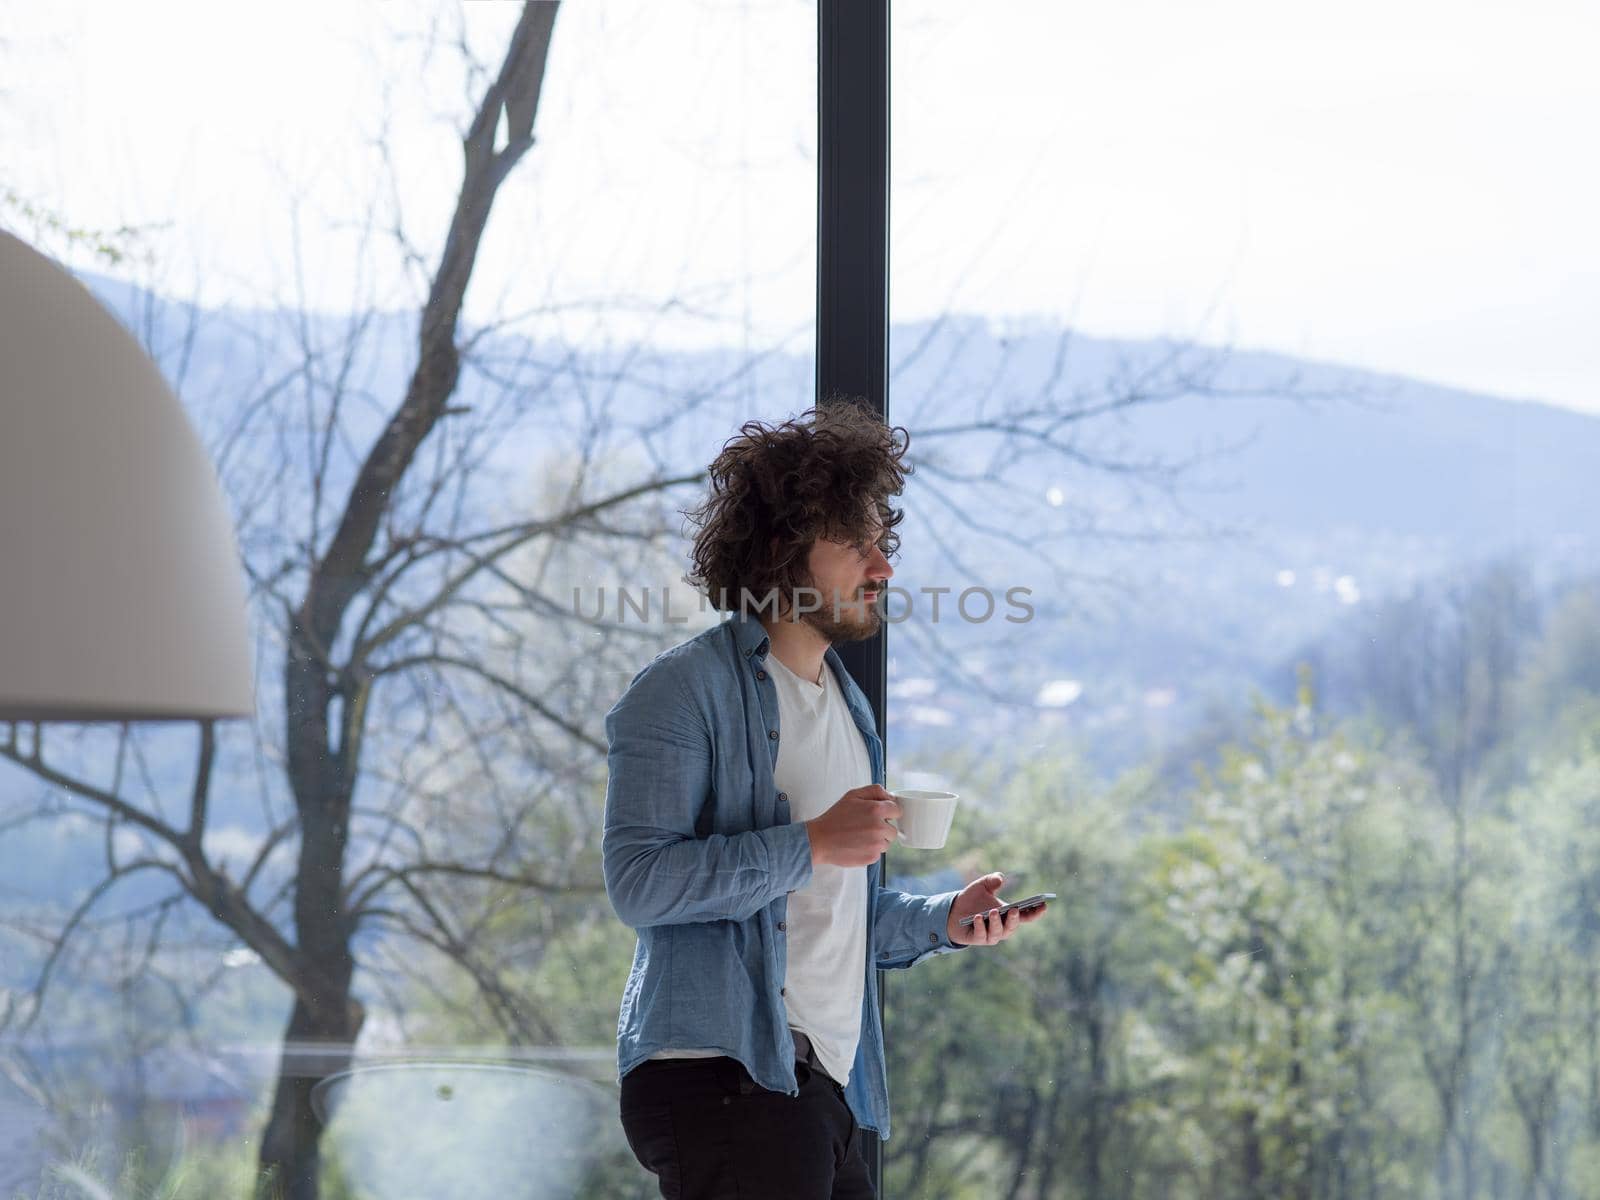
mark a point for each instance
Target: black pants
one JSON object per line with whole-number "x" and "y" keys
{"x": 709, "y": 1132}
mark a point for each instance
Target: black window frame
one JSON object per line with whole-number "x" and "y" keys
{"x": 853, "y": 282}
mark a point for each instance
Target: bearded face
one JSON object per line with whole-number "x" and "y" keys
{"x": 846, "y": 582}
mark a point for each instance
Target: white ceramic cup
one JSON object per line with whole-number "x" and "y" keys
{"x": 925, "y": 818}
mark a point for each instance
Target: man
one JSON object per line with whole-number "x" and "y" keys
{"x": 745, "y": 817}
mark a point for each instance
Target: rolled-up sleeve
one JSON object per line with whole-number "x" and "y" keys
{"x": 908, "y": 928}
{"x": 660, "y": 764}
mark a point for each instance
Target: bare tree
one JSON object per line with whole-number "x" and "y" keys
{"x": 329, "y": 675}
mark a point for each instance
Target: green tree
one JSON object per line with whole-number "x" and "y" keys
{"x": 1278, "y": 890}
{"x": 1551, "y": 1029}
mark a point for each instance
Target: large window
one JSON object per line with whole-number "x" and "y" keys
{"x": 1249, "y": 339}
{"x": 1253, "y": 420}
{"x": 388, "y": 917}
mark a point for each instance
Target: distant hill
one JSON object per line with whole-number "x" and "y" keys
{"x": 1342, "y": 486}
{"x": 1328, "y": 447}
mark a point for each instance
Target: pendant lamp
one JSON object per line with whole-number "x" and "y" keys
{"x": 121, "y": 596}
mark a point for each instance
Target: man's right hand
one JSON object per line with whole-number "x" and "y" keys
{"x": 856, "y": 830}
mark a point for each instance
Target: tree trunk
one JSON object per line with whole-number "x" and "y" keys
{"x": 1027, "y": 1139}
{"x": 323, "y": 769}
{"x": 924, "y": 1145}
{"x": 1050, "y": 1149}
{"x": 1591, "y": 1041}
{"x": 323, "y": 1013}
{"x": 1099, "y": 1080}
{"x": 1252, "y": 1162}
{"x": 291, "y": 1150}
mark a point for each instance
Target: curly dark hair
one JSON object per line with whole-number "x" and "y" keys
{"x": 774, "y": 489}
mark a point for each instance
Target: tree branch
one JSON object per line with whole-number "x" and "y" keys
{"x": 341, "y": 570}
{"x": 521, "y": 879}
{"x": 512, "y": 536}
{"x": 202, "y": 784}
{"x": 34, "y": 762}
{"x": 511, "y": 688}
{"x": 59, "y": 944}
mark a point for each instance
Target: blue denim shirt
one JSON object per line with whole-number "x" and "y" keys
{"x": 700, "y": 858}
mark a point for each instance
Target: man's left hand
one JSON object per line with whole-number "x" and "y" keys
{"x": 980, "y": 900}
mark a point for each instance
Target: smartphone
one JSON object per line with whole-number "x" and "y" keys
{"x": 1030, "y": 902}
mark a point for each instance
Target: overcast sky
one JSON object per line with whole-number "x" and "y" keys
{"x": 1408, "y": 186}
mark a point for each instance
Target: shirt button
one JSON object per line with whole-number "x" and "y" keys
{"x": 761, "y": 674}
{"x": 772, "y": 735}
{"x": 783, "y": 991}
{"x": 934, "y": 938}
{"x": 783, "y": 797}
{"x": 782, "y": 925}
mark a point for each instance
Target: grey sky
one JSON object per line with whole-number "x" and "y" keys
{"x": 1402, "y": 186}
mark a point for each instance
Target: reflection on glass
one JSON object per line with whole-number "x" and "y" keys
{"x": 465, "y": 1130}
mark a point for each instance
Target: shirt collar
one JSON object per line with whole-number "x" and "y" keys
{"x": 749, "y": 635}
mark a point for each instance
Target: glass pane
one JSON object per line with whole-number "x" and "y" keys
{"x": 1253, "y": 341}
{"x": 459, "y": 373}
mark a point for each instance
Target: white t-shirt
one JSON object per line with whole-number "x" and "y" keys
{"x": 821, "y": 756}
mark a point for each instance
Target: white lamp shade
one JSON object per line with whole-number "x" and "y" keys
{"x": 121, "y": 596}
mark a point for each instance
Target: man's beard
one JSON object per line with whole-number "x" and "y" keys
{"x": 844, "y": 627}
